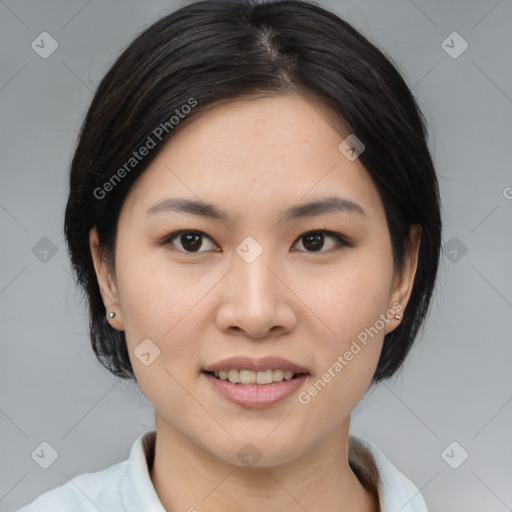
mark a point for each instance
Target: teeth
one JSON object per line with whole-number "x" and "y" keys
{"x": 233, "y": 376}
{"x": 248, "y": 376}
{"x": 278, "y": 375}
{"x": 265, "y": 377}
{"x": 253, "y": 377}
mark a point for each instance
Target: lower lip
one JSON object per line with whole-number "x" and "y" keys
{"x": 249, "y": 395}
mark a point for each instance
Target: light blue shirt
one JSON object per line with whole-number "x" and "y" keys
{"x": 127, "y": 486}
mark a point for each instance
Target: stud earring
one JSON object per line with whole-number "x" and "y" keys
{"x": 111, "y": 315}
{"x": 397, "y": 316}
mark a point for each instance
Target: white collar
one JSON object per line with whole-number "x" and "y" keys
{"x": 396, "y": 491}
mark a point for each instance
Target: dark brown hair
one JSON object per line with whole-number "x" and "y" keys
{"x": 218, "y": 50}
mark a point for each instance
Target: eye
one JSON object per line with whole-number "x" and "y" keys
{"x": 314, "y": 240}
{"x": 190, "y": 241}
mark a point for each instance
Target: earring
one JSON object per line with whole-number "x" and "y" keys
{"x": 111, "y": 315}
{"x": 397, "y": 316}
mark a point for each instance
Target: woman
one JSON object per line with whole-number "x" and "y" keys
{"x": 254, "y": 217}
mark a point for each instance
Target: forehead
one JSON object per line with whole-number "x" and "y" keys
{"x": 255, "y": 155}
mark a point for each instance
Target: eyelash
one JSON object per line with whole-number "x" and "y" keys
{"x": 341, "y": 240}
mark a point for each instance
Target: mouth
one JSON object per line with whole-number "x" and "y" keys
{"x": 255, "y": 378}
{"x": 255, "y": 388}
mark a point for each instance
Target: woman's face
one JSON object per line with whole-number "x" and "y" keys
{"x": 257, "y": 283}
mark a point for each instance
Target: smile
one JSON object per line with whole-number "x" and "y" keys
{"x": 246, "y": 377}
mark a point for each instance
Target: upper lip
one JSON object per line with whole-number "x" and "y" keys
{"x": 262, "y": 364}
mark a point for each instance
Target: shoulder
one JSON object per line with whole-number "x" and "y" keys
{"x": 83, "y": 493}
{"x": 125, "y": 486}
{"x": 374, "y": 469}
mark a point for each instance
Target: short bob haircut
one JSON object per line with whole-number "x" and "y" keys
{"x": 215, "y": 51}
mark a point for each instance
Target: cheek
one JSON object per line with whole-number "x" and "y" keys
{"x": 348, "y": 340}
{"x": 152, "y": 307}
{"x": 157, "y": 303}
{"x": 348, "y": 297}
{"x": 346, "y": 305}
{"x": 155, "y": 294}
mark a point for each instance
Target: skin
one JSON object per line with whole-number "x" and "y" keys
{"x": 254, "y": 158}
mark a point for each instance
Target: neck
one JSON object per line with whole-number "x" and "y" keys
{"x": 188, "y": 477}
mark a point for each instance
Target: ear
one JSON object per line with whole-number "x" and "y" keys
{"x": 404, "y": 279}
{"x": 106, "y": 281}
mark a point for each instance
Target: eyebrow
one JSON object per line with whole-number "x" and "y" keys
{"x": 333, "y": 204}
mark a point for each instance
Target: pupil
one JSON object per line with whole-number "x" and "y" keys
{"x": 318, "y": 237}
{"x": 187, "y": 239}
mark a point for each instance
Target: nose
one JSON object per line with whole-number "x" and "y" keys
{"x": 256, "y": 301}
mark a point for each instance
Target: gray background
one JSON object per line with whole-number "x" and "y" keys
{"x": 457, "y": 384}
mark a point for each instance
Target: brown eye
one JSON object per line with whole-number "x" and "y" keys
{"x": 190, "y": 241}
{"x": 314, "y": 241}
